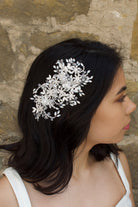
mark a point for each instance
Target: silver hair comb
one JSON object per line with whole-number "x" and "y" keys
{"x": 60, "y": 89}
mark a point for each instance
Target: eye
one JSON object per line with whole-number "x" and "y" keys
{"x": 122, "y": 98}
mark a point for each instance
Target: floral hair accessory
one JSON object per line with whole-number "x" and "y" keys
{"x": 61, "y": 89}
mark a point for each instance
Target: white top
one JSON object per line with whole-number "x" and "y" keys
{"x": 23, "y": 197}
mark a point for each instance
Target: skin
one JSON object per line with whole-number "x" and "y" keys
{"x": 98, "y": 182}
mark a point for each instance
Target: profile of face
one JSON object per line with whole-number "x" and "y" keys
{"x": 112, "y": 115}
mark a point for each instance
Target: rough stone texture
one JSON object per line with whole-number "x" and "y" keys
{"x": 27, "y": 27}
{"x": 3, "y": 160}
{"x": 8, "y": 126}
{"x": 7, "y": 54}
{"x": 38, "y": 38}
{"x": 135, "y": 193}
{"x": 24, "y": 11}
{"x": 134, "y": 47}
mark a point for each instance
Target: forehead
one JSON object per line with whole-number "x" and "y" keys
{"x": 118, "y": 83}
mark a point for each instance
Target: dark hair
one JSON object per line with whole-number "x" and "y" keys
{"x": 44, "y": 156}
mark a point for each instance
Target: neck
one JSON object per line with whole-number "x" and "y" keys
{"x": 82, "y": 160}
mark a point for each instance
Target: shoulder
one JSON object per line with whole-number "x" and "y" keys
{"x": 125, "y": 165}
{"x": 5, "y": 189}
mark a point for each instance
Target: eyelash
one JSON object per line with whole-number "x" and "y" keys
{"x": 122, "y": 98}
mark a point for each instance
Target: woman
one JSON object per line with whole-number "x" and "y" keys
{"x": 73, "y": 111}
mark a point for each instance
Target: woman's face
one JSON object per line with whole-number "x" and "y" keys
{"x": 112, "y": 115}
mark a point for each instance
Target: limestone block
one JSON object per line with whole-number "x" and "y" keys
{"x": 4, "y": 155}
{"x": 24, "y": 11}
{"x": 134, "y": 46}
{"x": 135, "y": 193}
{"x": 43, "y": 40}
{"x": 8, "y": 127}
{"x": 6, "y": 57}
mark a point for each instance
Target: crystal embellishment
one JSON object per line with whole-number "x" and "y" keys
{"x": 61, "y": 89}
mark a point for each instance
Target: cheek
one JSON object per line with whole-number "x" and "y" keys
{"x": 107, "y": 122}
{"x": 105, "y": 114}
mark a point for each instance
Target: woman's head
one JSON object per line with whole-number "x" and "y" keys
{"x": 102, "y": 62}
{"x": 46, "y": 150}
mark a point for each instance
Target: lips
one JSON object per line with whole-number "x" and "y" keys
{"x": 127, "y": 127}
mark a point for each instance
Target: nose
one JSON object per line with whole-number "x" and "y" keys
{"x": 131, "y": 106}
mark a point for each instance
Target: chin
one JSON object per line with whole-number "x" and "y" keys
{"x": 119, "y": 139}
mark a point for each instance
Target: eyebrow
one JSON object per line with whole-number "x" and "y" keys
{"x": 121, "y": 90}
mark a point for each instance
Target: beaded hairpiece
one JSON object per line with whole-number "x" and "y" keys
{"x": 60, "y": 89}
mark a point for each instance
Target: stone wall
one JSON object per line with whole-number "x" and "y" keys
{"x": 29, "y": 26}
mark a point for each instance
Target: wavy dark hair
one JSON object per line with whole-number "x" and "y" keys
{"x": 44, "y": 155}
